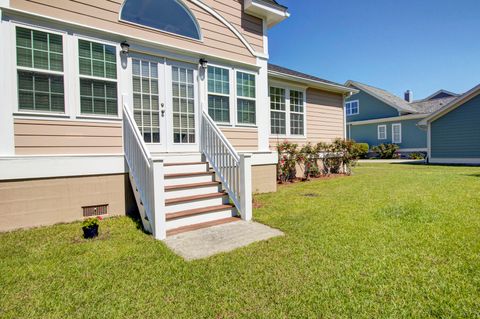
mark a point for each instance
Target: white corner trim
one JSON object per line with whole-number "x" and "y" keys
{"x": 48, "y": 166}
{"x": 230, "y": 26}
{"x": 466, "y": 161}
{"x": 4, "y": 4}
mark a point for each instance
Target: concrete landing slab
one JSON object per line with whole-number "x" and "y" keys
{"x": 206, "y": 242}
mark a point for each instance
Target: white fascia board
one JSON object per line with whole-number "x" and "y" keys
{"x": 271, "y": 13}
{"x": 390, "y": 119}
{"x": 313, "y": 84}
{"x": 49, "y": 166}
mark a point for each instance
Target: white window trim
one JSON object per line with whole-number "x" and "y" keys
{"x": 349, "y": 103}
{"x": 399, "y": 125}
{"x": 378, "y": 132}
{"x": 231, "y": 95}
{"x": 77, "y": 76}
{"x": 255, "y": 99}
{"x": 287, "y": 89}
{"x": 14, "y": 73}
{"x": 278, "y": 111}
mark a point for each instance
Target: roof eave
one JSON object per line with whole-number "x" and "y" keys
{"x": 312, "y": 83}
{"x": 273, "y": 14}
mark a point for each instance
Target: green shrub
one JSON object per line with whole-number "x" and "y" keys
{"x": 416, "y": 156}
{"x": 386, "y": 151}
{"x": 361, "y": 150}
{"x": 308, "y": 156}
{"x": 91, "y": 222}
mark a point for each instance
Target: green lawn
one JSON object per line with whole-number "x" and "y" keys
{"x": 392, "y": 241}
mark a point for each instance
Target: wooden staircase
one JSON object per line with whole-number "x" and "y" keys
{"x": 193, "y": 198}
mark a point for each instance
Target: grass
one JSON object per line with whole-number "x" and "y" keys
{"x": 392, "y": 241}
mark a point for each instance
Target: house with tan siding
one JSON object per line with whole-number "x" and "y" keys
{"x": 166, "y": 107}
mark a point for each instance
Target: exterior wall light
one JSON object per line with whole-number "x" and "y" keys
{"x": 203, "y": 63}
{"x": 125, "y": 47}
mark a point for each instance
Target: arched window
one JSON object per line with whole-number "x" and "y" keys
{"x": 165, "y": 15}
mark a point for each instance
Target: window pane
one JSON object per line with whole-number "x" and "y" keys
{"x": 219, "y": 108}
{"x": 218, "y": 80}
{"x": 245, "y": 85}
{"x": 164, "y": 15}
{"x": 98, "y": 60}
{"x": 40, "y": 50}
{"x": 296, "y": 101}
{"x": 278, "y": 122}
{"x": 41, "y": 92}
{"x": 296, "y": 124}
{"x": 246, "y": 111}
{"x": 277, "y": 99}
{"x": 98, "y": 97}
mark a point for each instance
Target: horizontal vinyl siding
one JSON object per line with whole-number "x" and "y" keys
{"x": 218, "y": 40}
{"x": 370, "y": 108}
{"x": 412, "y": 135}
{"x": 242, "y": 139}
{"x": 35, "y": 137}
{"x": 457, "y": 133}
{"x": 325, "y": 121}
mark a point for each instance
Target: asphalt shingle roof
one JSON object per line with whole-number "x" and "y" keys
{"x": 386, "y": 97}
{"x": 430, "y": 106}
{"x": 281, "y": 69}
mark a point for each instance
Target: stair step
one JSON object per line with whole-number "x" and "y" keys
{"x": 193, "y": 227}
{"x": 169, "y": 176}
{"x": 198, "y": 211}
{"x": 193, "y": 198}
{"x": 184, "y": 164}
{"x": 192, "y": 185}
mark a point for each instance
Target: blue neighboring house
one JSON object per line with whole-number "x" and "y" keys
{"x": 376, "y": 116}
{"x": 453, "y": 131}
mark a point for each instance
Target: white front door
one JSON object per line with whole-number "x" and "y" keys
{"x": 165, "y": 103}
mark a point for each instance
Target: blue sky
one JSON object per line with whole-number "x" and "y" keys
{"x": 422, "y": 45}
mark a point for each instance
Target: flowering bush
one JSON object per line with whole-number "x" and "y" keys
{"x": 288, "y": 157}
{"x": 308, "y": 156}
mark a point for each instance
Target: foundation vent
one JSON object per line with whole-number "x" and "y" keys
{"x": 96, "y": 210}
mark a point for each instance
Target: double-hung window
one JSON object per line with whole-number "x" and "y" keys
{"x": 352, "y": 107}
{"x": 219, "y": 94}
{"x": 246, "y": 106}
{"x": 278, "y": 112}
{"x": 296, "y": 113}
{"x": 397, "y": 133}
{"x": 40, "y": 71}
{"x": 98, "y": 78}
{"x": 382, "y": 132}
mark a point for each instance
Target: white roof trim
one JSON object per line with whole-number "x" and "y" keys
{"x": 390, "y": 119}
{"x": 273, "y": 14}
{"x": 462, "y": 99}
{"x": 312, "y": 83}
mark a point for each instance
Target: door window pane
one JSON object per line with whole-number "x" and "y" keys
{"x": 183, "y": 105}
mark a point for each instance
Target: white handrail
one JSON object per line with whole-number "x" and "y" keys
{"x": 146, "y": 172}
{"x": 233, "y": 170}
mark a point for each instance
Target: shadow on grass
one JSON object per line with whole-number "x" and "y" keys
{"x": 473, "y": 175}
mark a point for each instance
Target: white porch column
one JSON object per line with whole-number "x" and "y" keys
{"x": 159, "y": 221}
{"x": 7, "y": 78}
{"x": 263, "y": 107}
{"x": 246, "y": 186}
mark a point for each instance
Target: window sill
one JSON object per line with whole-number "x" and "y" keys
{"x": 96, "y": 117}
{"x": 287, "y": 136}
{"x": 246, "y": 126}
{"x": 41, "y": 115}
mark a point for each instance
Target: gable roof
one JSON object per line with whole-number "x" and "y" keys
{"x": 312, "y": 81}
{"x": 390, "y": 99}
{"x": 440, "y": 94}
{"x": 458, "y": 101}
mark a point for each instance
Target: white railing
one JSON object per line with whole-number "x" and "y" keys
{"x": 233, "y": 169}
{"x": 147, "y": 173}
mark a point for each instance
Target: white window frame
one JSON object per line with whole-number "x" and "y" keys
{"x": 236, "y": 71}
{"x": 14, "y": 70}
{"x": 384, "y": 127}
{"x": 278, "y": 111}
{"x": 231, "y": 95}
{"x": 287, "y": 89}
{"x": 399, "y": 125}
{"x": 77, "y": 76}
{"x": 348, "y": 107}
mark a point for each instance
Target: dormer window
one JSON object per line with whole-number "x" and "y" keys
{"x": 170, "y": 16}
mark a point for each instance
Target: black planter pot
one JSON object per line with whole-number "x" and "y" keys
{"x": 90, "y": 232}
